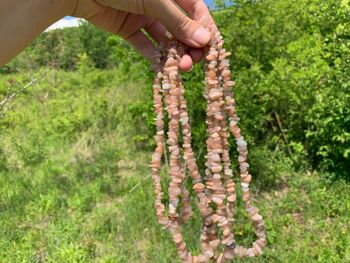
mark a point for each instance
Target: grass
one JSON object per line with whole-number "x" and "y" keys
{"x": 69, "y": 162}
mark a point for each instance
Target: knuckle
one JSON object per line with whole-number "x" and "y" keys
{"x": 183, "y": 23}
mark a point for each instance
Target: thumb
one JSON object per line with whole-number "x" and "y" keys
{"x": 181, "y": 26}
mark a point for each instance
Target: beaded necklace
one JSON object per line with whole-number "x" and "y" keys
{"x": 216, "y": 190}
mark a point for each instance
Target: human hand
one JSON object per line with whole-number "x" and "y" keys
{"x": 126, "y": 18}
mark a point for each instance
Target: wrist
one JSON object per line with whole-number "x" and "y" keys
{"x": 23, "y": 20}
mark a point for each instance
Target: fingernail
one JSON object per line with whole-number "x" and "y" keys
{"x": 190, "y": 69}
{"x": 201, "y": 36}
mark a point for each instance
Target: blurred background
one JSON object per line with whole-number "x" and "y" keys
{"x": 76, "y": 137}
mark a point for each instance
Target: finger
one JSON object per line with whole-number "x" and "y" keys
{"x": 134, "y": 6}
{"x": 185, "y": 29}
{"x": 142, "y": 44}
{"x": 157, "y": 31}
{"x": 196, "y": 54}
{"x": 119, "y": 22}
{"x": 130, "y": 30}
{"x": 181, "y": 26}
{"x": 133, "y": 23}
{"x": 127, "y": 26}
{"x": 196, "y": 9}
{"x": 110, "y": 20}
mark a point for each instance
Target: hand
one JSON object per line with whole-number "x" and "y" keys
{"x": 126, "y": 18}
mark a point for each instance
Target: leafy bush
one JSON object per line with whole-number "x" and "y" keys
{"x": 290, "y": 62}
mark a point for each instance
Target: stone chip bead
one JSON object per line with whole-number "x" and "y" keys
{"x": 199, "y": 187}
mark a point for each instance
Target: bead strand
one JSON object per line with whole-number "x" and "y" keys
{"x": 216, "y": 194}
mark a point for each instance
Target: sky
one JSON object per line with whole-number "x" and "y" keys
{"x": 69, "y": 21}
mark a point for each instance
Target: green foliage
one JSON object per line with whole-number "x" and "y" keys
{"x": 84, "y": 64}
{"x": 69, "y": 168}
{"x": 62, "y": 49}
{"x": 60, "y": 152}
{"x": 95, "y": 44}
{"x": 73, "y": 146}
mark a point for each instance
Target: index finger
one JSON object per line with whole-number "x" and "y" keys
{"x": 197, "y": 10}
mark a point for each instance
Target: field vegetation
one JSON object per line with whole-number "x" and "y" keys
{"x": 75, "y": 146}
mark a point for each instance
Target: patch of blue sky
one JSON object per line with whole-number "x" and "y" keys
{"x": 69, "y": 18}
{"x": 210, "y": 3}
